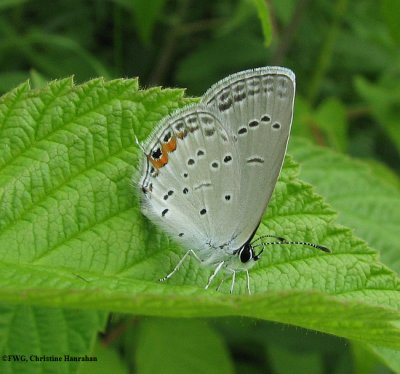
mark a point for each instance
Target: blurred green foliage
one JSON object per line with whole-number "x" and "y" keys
{"x": 346, "y": 56}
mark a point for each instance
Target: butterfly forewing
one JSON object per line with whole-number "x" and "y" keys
{"x": 256, "y": 108}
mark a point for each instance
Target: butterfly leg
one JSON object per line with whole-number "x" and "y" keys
{"x": 220, "y": 284}
{"x": 233, "y": 281}
{"x": 248, "y": 281}
{"x": 216, "y": 271}
{"x": 178, "y": 265}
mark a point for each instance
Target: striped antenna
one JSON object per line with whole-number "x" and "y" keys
{"x": 283, "y": 241}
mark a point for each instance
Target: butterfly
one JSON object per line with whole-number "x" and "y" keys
{"x": 209, "y": 169}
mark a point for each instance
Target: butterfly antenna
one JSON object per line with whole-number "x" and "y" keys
{"x": 270, "y": 236}
{"x": 285, "y": 242}
{"x": 257, "y": 256}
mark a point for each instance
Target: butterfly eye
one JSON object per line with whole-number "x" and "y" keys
{"x": 246, "y": 253}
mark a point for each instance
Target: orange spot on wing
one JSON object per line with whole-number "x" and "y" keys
{"x": 166, "y": 148}
{"x": 181, "y": 134}
{"x": 171, "y": 145}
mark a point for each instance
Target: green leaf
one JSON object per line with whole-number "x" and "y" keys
{"x": 11, "y": 4}
{"x": 284, "y": 361}
{"x": 146, "y": 14}
{"x": 389, "y": 357}
{"x": 55, "y": 55}
{"x": 331, "y": 119}
{"x": 390, "y": 10}
{"x": 383, "y": 99}
{"x": 383, "y": 173}
{"x": 108, "y": 361}
{"x": 180, "y": 346}
{"x": 364, "y": 361}
{"x": 366, "y": 202}
{"x": 72, "y": 234}
{"x": 37, "y": 79}
{"x": 220, "y": 55}
{"x": 37, "y": 331}
{"x": 242, "y": 16}
{"x": 327, "y": 123}
{"x": 263, "y": 15}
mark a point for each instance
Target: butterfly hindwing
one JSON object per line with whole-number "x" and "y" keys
{"x": 191, "y": 179}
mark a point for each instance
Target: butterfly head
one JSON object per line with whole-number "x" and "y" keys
{"x": 246, "y": 255}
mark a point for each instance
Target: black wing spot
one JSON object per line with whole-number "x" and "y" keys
{"x": 255, "y": 160}
{"x": 190, "y": 161}
{"x": 227, "y": 197}
{"x": 203, "y": 211}
{"x": 215, "y": 164}
{"x": 164, "y": 212}
{"x": 253, "y": 123}
{"x": 202, "y": 185}
{"x": 200, "y": 152}
{"x": 265, "y": 118}
{"x": 225, "y": 102}
{"x": 268, "y": 84}
{"x": 254, "y": 86}
{"x": 239, "y": 92}
{"x": 179, "y": 126}
{"x": 207, "y": 120}
{"x": 242, "y": 131}
{"x": 276, "y": 126}
{"x": 168, "y": 194}
{"x": 185, "y": 175}
{"x": 209, "y": 132}
{"x": 167, "y": 137}
{"x": 192, "y": 119}
{"x": 185, "y": 190}
{"x": 239, "y": 97}
{"x": 227, "y": 158}
{"x": 181, "y": 234}
{"x": 156, "y": 154}
{"x": 224, "y": 96}
{"x": 225, "y": 106}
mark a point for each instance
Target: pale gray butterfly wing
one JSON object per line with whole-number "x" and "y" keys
{"x": 210, "y": 169}
{"x": 256, "y": 109}
{"x": 191, "y": 180}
